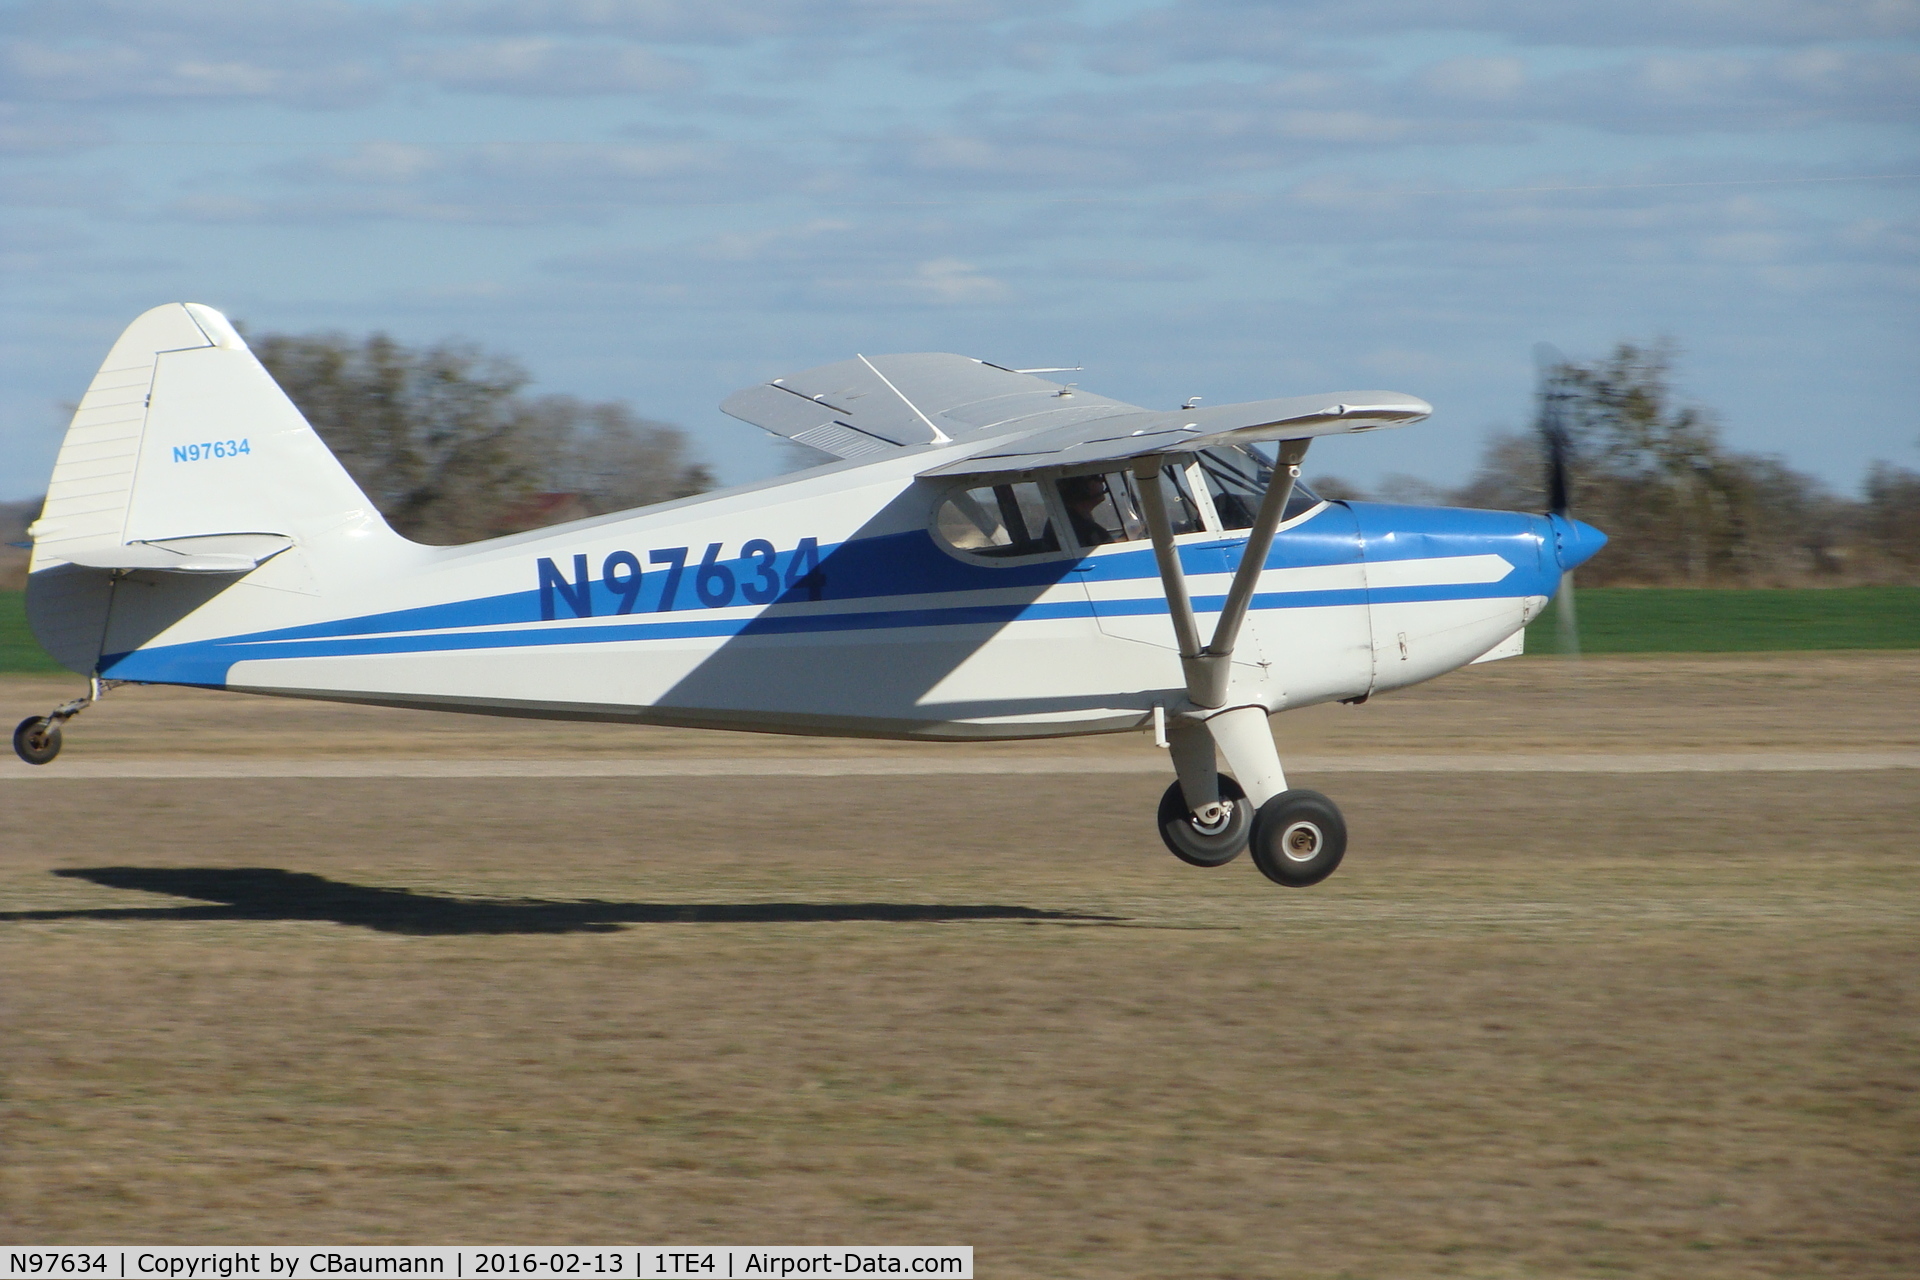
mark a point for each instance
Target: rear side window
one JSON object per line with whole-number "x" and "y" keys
{"x": 998, "y": 521}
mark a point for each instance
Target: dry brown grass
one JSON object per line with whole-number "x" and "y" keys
{"x": 1634, "y": 702}
{"x": 1546, "y": 1025}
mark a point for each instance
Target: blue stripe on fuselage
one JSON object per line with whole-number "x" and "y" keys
{"x": 895, "y": 565}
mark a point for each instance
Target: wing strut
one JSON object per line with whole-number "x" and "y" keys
{"x": 1208, "y": 669}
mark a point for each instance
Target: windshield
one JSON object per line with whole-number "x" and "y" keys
{"x": 1237, "y": 476}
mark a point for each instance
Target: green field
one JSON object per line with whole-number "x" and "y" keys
{"x": 1688, "y": 620}
{"x": 18, "y": 652}
{"x": 1612, "y": 620}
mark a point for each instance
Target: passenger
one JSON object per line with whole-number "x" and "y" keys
{"x": 1082, "y": 495}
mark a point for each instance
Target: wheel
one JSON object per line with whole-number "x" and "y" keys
{"x": 36, "y": 740}
{"x": 1200, "y": 845}
{"x": 1298, "y": 838}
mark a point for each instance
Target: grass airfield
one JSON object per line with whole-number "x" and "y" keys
{"x": 1550, "y": 1019}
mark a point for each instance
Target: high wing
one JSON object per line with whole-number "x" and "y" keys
{"x": 866, "y": 408}
{"x": 1096, "y": 445}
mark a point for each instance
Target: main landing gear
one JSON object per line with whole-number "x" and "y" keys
{"x": 1207, "y": 818}
{"x": 1297, "y": 837}
{"x": 37, "y": 738}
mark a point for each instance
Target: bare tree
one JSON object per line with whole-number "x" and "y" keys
{"x": 447, "y": 446}
{"x": 612, "y": 458}
{"x": 14, "y": 519}
{"x": 1678, "y": 506}
{"x": 1889, "y": 524}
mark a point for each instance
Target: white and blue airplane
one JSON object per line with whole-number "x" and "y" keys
{"x": 992, "y": 556}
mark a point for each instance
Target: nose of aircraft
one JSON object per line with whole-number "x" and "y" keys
{"x": 1574, "y": 542}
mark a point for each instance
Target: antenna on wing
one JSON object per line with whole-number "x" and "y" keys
{"x": 1556, "y": 446}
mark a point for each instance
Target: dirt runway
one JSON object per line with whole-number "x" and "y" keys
{"x": 1558, "y": 1023}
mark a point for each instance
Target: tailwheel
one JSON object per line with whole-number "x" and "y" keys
{"x": 37, "y": 739}
{"x": 1210, "y": 841}
{"x": 1298, "y": 838}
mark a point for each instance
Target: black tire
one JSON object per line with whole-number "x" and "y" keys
{"x": 36, "y": 740}
{"x": 1298, "y": 838}
{"x": 1194, "y": 844}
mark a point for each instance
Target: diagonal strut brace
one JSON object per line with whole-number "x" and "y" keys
{"x": 1209, "y": 668}
{"x": 1239, "y": 733}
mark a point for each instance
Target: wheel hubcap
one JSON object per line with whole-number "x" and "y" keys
{"x": 1301, "y": 841}
{"x": 1214, "y": 822}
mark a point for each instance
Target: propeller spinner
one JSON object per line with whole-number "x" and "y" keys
{"x": 1574, "y": 542}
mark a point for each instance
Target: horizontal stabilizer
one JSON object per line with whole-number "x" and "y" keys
{"x": 219, "y": 553}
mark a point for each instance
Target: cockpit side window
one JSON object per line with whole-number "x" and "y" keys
{"x": 999, "y": 521}
{"x": 1009, "y": 521}
{"x": 1106, "y": 508}
{"x": 1101, "y": 509}
{"x": 1237, "y": 476}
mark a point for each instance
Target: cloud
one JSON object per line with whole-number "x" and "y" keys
{"x": 105, "y": 72}
{"x": 824, "y": 263}
{"x": 30, "y": 131}
{"x": 1177, "y": 134}
{"x": 1262, "y": 31}
{"x": 540, "y": 66}
{"x": 951, "y": 280}
{"x": 54, "y": 188}
{"x": 717, "y": 21}
{"x": 503, "y": 183}
{"x": 1618, "y": 248}
{"x": 59, "y": 255}
{"x": 1681, "y": 94}
{"x": 1216, "y": 129}
{"x": 1475, "y": 79}
{"x": 32, "y": 246}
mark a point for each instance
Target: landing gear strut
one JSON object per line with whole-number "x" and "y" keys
{"x": 37, "y": 738}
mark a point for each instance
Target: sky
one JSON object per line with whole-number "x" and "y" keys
{"x": 661, "y": 201}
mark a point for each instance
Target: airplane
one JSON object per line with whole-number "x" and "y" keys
{"x": 989, "y": 555}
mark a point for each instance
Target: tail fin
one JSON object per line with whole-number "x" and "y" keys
{"x": 187, "y": 458}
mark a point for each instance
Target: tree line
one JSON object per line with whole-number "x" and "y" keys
{"x": 450, "y": 445}
{"x": 447, "y": 442}
{"x": 1679, "y": 507}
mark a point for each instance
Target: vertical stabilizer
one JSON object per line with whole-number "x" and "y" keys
{"x": 183, "y": 434}
{"x": 184, "y": 458}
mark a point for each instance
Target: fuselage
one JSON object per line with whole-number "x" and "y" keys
{"x": 831, "y": 603}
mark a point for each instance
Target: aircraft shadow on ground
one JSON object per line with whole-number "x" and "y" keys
{"x": 268, "y": 893}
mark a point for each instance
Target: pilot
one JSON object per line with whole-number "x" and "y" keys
{"x": 1080, "y": 495}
